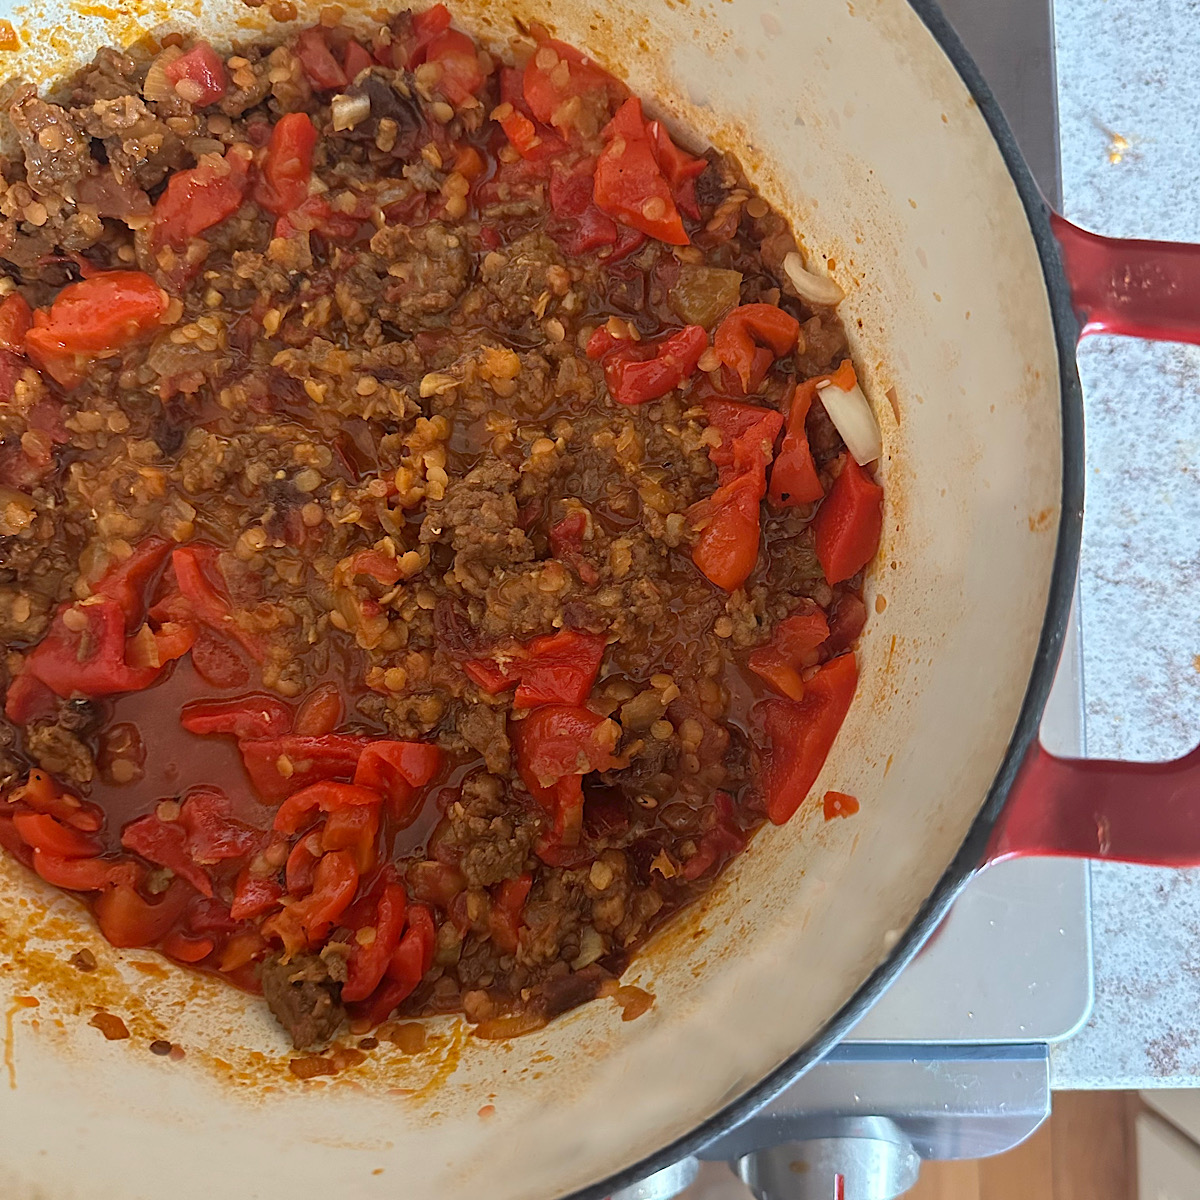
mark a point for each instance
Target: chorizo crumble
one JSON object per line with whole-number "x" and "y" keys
{"x": 425, "y": 554}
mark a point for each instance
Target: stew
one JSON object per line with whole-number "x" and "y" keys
{"x": 425, "y": 558}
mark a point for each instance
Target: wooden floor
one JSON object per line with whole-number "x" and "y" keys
{"x": 1084, "y": 1152}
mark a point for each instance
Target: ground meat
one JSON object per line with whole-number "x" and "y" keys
{"x": 57, "y": 151}
{"x": 346, "y": 464}
{"x": 304, "y": 994}
{"x": 427, "y": 268}
{"x": 59, "y": 751}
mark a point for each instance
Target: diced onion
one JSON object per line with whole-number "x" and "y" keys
{"x": 158, "y": 87}
{"x": 815, "y": 289}
{"x": 849, "y": 411}
{"x": 349, "y": 110}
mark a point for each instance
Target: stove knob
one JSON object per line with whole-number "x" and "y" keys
{"x": 662, "y": 1185}
{"x": 868, "y": 1168}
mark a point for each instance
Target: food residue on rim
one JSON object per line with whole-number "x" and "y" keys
{"x": 839, "y": 804}
{"x": 634, "y": 1001}
{"x": 19, "y": 1002}
{"x": 109, "y": 1024}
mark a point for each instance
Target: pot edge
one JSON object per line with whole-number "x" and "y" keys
{"x": 971, "y": 854}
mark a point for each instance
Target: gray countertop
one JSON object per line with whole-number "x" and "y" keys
{"x": 1129, "y": 94}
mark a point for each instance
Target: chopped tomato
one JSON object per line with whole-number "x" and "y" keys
{"x": 309, "y": 920}
{"x": 639, "y": 371}
{"x": 792, "y": 649}
{"x": 42, "y": 832}
{"x": 629, "y": 184}
{"x": 505, "y": 915}
{"x": 287, "y": 169}
{"x": 356, "y": 60}
{"x": 279, "y": 766}
{"x": 748, "y": 435}
{"x": 408, "y": 52}
{"x": 751, "y": 327}
{"x": 849, "y": 522}
{"x": 325, "y": 795}
{"x": 321, "y": 69}
{"x": 199, "y": 75}
{"x": 461, "y": 75}
{"x": 794, "y": 475}
{"x": 127, "y": 920}
{"x": 16, "y": 319}
{"x": 557, "y": 74}
{"x": 726, "y": 550}
{"x": 253, "y": 716}
{"x": 558, "y": 668}
{"x": 198, "y": 199}
{"x": 560, "y": 739}
{"x": 720, "y": 842}
{"x": 95, "y": 318}
{"x": 802, "y": 733}
{"x": 396, "y": 770}
{"x": 368, "y": 961}
{"x": 253, "y": 896}
{"x": 84, "y": 874}
{"x": 379, "y": 566}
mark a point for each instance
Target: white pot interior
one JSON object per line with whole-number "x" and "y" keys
{"x": 850, "y": 118}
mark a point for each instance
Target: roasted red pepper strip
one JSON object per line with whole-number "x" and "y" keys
{"x": 253, "y": 716}
{"x": 849, "y": 522}
{"x": 629, "y": 183}
{"x": 198, "y": 199}
{"x": 556, "y": 74}
{"x": 195, "y": 566}
{"x": 127, "y": 920}
{"x": 199, "y": 75}
{"x": 356, "y": 60}
{"x": 791, "y": 650}
{"x": 368, "y": 962}
{"x": 560, "y": 739}
{"x": 252, "y": 897}
{"x": 83, "y": 874}
{"x": 504, "y": 917}
{"x": 396, "y": 770}
{"x": 287, "y": 168}
{"x": 726, "y": 550}
{"x": 131, "y": 582}
{"x": 802, "y": 734}
{"x": 279, "y": 766}
{"x": 557, "y": 668}
{"x": 41, "y": 831}
{"x": 94, "y": 318}
{"x": 308, "y": 921}
{"x": 749, "y": 327}
{"x": 720, "y": 842}
{"x": 639, "y": 371}
{"x": 354, "y": 829}
{"x": 327, "y": 796}
{"x": 164, "y": 843}
{"x": 794, "y": 476}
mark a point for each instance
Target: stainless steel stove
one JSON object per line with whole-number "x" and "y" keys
{"x": 953, "y": 1062}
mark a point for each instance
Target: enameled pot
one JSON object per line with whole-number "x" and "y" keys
{"x": 867, "y": 123}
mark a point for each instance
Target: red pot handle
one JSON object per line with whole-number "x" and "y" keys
{"x": 1091, "y": 808}
{"x": 1143, "y": 289}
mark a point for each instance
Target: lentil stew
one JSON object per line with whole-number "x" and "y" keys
{"x": 429, "y": 543}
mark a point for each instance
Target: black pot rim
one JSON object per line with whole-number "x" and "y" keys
{"x": 1058, "y": 609}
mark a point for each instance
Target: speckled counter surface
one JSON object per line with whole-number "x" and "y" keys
{"x": 1129, "y": 93}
